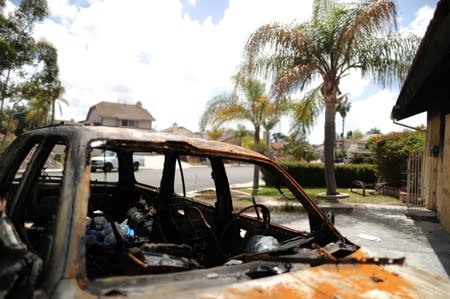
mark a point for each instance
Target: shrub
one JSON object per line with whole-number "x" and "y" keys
{"x": 312, "y": 175}
{"x": 392, "y": 152}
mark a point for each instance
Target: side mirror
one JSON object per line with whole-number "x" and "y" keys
{"x": 330, "y": 217}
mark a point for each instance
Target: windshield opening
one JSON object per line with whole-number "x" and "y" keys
{"x": 191, "y": 212}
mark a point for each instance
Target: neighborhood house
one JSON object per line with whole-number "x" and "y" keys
{"x": 426, "y": 90}
{"x": 120, "y": 115}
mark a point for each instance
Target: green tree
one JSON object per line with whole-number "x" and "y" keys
{"x": 268, "y": 124}
{"x": 18, "y": 49}
{"x": 356, "y": 134}
{"x": 248, "y": 102}
{"x": 340, "y": 37}
{"x": 46, "y": 82}
{"x": 392, "y": 151}
{"x": 374, "y": 131}
{"x": 298, "y": 148}
{"x": 343, "y": 108}
{"x": 39, "y": 112}
{"x": 215, "y": 133}
{"x": 240, "y": 132}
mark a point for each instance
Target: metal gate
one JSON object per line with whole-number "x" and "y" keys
{"x": 414, "y": 199}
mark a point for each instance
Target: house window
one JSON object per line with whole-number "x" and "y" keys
{"x": 128, "y": 123}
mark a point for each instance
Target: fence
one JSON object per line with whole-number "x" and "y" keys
{"x": 413, "y": 197}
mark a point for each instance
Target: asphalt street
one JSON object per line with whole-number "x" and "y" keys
{"x": 196, "y": 178}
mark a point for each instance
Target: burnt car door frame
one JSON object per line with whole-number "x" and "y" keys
{"x": 16, "y": 207}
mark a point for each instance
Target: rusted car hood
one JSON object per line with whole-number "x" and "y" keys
{"x": 325, "y": 281}
{"x": 341, "y": 281}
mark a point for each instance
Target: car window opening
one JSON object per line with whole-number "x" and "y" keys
{"x": 172, "y": 225}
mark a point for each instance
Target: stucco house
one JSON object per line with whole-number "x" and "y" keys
{"x": 426, "y": 89}
{"x": 180, "y": 130}
{"x": 120, "y": 115}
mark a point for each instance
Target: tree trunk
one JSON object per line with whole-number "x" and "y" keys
{"x": 268, "y": 143}
{"x": 256, "y": 168}
{"x": 330, "y": 136}
{"x": 343, "y": 123}
{"x": 53, "y": 111}
{"x": 3, "y": 94}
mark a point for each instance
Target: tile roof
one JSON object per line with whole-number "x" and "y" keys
{"x": 121, "y": 111}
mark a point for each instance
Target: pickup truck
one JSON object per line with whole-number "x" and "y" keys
{"x": 107, "y": 161}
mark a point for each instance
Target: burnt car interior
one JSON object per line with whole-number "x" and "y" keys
{"x": 135, "y": 228}
{"x": 33, "y": 197}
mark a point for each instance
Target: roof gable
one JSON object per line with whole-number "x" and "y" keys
{"x": 121, "y": 111}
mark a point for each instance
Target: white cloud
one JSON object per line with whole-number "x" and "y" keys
{"x": 63, "y": 9}
{"x": 9, "y": 8}
{"x": 150, "y": 51}
{"x": 420, "y": 23}
{"x": 171, "y": 63}
{"x": 373, "y": 112}
{"x": 192, "y": 2}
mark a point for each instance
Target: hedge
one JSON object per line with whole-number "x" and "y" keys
{"x": 312, "y": 175}
{"x": 392, "y": 152}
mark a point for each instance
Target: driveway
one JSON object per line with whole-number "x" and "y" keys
{"x": 386, "y": 231}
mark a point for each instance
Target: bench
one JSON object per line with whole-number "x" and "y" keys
{"x": 361, "y": 185}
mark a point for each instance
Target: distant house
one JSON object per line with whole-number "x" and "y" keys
{"x": 359, "y": 149}
{"x": 353, "y": 148}
{"x": 426, "y": 89}
{"x": 120, "y": 115}
{"x": 229, "y": 136}
{"x": 180, "y": 130}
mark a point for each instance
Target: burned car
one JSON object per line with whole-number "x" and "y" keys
{"x": 171, "y": 230}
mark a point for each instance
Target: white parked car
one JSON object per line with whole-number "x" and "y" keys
{"x": 108, "y": 161}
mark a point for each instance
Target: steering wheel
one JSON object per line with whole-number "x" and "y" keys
{"x": 265, "y": 211}
{"x": 266, "y": 217}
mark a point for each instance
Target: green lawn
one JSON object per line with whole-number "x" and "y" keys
{"x": 313, "y": 192}
{"x": 242, "y": 198}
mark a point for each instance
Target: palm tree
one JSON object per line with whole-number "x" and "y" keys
{"x": 268, "y": 124}
{"x": 247, "y": 103}
{"x": 215, "y": 133}
{"x": 343, "y": 108}
{"x": 278, "y": 109}
{"x": 39, "y": 112}
{"x": 240, "y": 132}
{"x": 339, "y": 38}
{"x": 8, "y": 124}
{"x": 56, "y": 95}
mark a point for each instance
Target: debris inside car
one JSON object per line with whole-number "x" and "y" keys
{"x": 182, "y": 227}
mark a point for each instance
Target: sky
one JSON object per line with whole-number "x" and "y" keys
{"x": 175, "y": 55}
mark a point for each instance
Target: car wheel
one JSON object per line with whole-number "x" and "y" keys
{"x": 136, "y": 166}
{"x": 108, "y": 167}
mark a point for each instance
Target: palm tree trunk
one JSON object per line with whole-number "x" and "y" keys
{"x": 343, "y": 150}
{"x": 268, "y": 143}
{"x": 330, "y": 135}
{"x": 256, "y": 168}
{"x": 53, "y": 111}
{"x": 3, "y": 94}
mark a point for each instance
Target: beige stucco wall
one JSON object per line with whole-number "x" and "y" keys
{"x": 94, "y": 117}
{"x": 144, "y": 124}
{"x": 443, "y": 185}
{"x": 431, "y": 163}
{"x": 110, "y": 122}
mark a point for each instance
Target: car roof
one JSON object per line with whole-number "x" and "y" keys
{"x": 166, "y": 140}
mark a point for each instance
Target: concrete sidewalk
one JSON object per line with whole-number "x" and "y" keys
{"x": 386, "y": 231}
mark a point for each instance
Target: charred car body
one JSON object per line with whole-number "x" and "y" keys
{"x": 153, "y": 237}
